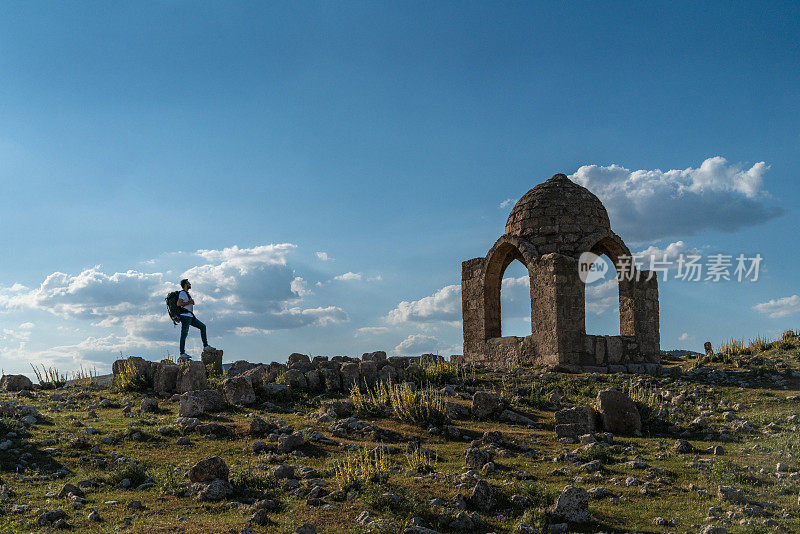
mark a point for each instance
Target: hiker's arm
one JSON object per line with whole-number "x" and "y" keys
{"x": 182, "y": 302}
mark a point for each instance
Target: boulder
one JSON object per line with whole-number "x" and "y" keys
{"x": 482, "y": 496}
{"x": 475, "y": 458}
{"x": 337, "y": 408}
{"x": 15, "y": 383}
{"x": 369, "y": 373}
{"x": 377, "y": 356}
{"x": 731, "y": 494}
{"x": 257, "y": 376}
{"x": 212, "y": 361}
{"x": 509, "y": 416}
{"x": 208, "y": 469}
{"x": 214, "y": 491}
{"x": 274, "y": 390}
{"x": 618, "y": 412}
{"x": 260, "y": 428}
{"x": 290, "y": 442}
{"x": 332, "y": 379}
{"x": 572, "y": 505}
{"x": 296, "y": 358}
{"x": 350, "y": 375}
{"x": 295, "y": 379}
{"x": 191, "y": 377}
{"x": 165, "y": 378}
{"x": 240, "y": 366}
{"x": 314, "y": 380}
{"x": 194, "y": 403}
{"x": 149, "y": 405}
{"x": 132, "y": 368}
{"x": 575, "y": 421}
{"x": 238, "y": 391}
{"x": 486, "y": 405}
{"x": 389, "y": 373}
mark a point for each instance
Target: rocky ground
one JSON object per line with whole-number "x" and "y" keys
{"x": 713, "y": 449}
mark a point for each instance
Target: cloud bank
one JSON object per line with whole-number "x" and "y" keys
{"x": 647, "y": 205}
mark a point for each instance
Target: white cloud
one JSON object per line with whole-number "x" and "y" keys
{"x": 684, "y": 337}
{"x": 323, "y": 256}
{"x": 371, "y": 330}
{"x": 243, "y": 291}
{"x": 602, "y": 297}
{"x": 443, "y": 305}
{"x": 348, "y": 276}
{"x": 782, "y": 307}
{"x": 416, "y": 344}
{"x": 715, "y": 196}
{"x": 507, "y": 202}
{"x": 91, "y": 293}
{"x": 671, "y": 251}
{"x": 300, "y": 287}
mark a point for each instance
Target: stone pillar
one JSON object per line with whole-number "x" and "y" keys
{"x": 557, "y": 311}
{"x": 212, "y": 360}
{"x": 646, "y": 318}
{"x": 472, "y": 307}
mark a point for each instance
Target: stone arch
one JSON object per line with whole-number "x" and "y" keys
{"x": 505, "y": 250}
{"x": 610, "y": 244}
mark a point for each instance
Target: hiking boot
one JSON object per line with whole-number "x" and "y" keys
{"x": 184, "y": 358}
{"x": 208, "y": 347}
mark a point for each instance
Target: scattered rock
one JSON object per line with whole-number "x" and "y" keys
{"x": 486, "y": 405}
{"x": 15, "y": 383}
{"x": 208, "y": 469}
{"x": 572, "y": 505}
{"x": 618, "y": 412}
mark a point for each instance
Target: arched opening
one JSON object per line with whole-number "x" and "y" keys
{"x": 602, "y": 298}
{"x": 515, "y": 301}
{"x": 497, "y": 261}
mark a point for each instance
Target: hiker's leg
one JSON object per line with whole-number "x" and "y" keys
{"x": 198, "y": 324}
{"x": 185, "y": 321}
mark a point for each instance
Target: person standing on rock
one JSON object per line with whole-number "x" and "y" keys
{"x": 186, "y": 303}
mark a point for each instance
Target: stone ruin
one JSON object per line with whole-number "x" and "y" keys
{"x": 548, "y": 230}
{"x": 202, "y": 384}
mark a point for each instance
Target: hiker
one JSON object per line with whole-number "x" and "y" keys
{"x": 186, "y": 305}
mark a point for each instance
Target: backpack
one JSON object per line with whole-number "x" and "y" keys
{"x": 173, "y": 310}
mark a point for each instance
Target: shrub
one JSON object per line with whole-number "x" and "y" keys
{"x": 361, "y": 467}
{"x": 649, "y": 402}
{"x": 84, "y": 378}
{"x": 789, "y": 334}
{"x": 247, "y": 480}
{"x": 421, "y": 461}
{"x": 760, "y": 344}
{"x": 371, "y": 402}
{"x": 731, "y": 347}
{"x": 49, "y": 377}
{"x": 422, "y": 407}
{"x": 169, "y": 481}
{"x": 133, "y": 471}
{"x": 130, "y": 379}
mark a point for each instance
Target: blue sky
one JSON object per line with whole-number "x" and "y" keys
{"x": 239, "y": 142}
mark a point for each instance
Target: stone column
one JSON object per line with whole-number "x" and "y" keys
{"x": 472, "y": 307}
{"x": 557, "y": 310}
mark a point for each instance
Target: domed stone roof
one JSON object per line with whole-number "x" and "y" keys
{"x": 557, "y": 214}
